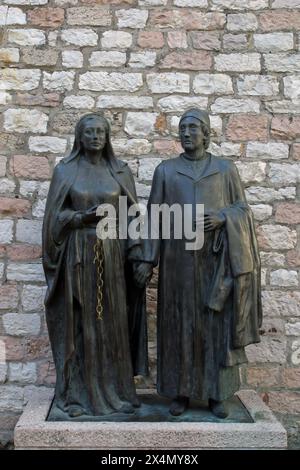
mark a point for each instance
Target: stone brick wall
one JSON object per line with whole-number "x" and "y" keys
{"x": 143, "y": 62}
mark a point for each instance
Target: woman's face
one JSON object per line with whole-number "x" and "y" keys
{"x": 93, "y": 137}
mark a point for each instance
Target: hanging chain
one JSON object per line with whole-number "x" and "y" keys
{"x": 98, "y": 260}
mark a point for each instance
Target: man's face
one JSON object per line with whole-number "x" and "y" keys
{"x": 93, "y": 135}
{"x": 191, "y": 134}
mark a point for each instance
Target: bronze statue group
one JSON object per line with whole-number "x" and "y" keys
{"x": 209, "y": 300}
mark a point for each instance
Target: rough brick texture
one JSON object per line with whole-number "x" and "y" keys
{"x": 142, "y": 63}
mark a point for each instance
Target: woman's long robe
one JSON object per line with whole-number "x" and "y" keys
{"x": 95, "y": 359}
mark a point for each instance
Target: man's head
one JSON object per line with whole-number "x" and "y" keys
{"x": 194, "y": 130}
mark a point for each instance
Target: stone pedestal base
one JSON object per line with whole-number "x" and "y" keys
{"x": 264, "y": 432}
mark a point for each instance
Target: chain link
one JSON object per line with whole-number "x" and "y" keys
{"x": 98, "y": 261}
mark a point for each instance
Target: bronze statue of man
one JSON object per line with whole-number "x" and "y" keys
{"x": 209, "y": 302}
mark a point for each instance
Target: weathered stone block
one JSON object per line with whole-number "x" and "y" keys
{"x": 58, "y": 81}
{"x": 104, "y": 81}
{"x": 46, "y": 17}
{"x": 9, "y": 297}
{"x": 19, "y": 324}
{"x": 21, "y": 120}
{"x": 116, "y": 39}
{"x": 273, "y": 20}
{"x": 25, "y": 272}
{"x": 256, "y": 85}
{"x": 132, "y": 18}
{"x": 147, "y": 167}
{"x": 9, "y": 16}
{"x": 176, "y": 40}
{"x": 72, "y": 59}
{"x": 276, "y": 237}
{"x": 6, "y": 230}
{"x": 13, "y": 207}
{"x": 247, "y": 62}
{"x": 282, "y": 62}
{"x": 25, "y": 373}
{"x": 200, "y": 60}
{"x": 32, "y": 297}
{"x": 265, "y": 194}
{"x": 26, "y": 37}
{"x": 177, "y": 103}
{"x": 232, "y": 105}
{"x": 124, "y": 101}
{"x": 149, "y": 39}
{"x": 242, "y": 127}
{"x": 284, "y": 174}
{"x": 210, "y": 84}
{"x": 29, "y": 231}
{"x": 107, "y": 59}
{"x": 242, "y": 22}
{"x": 19, "y": 79}
{"x": 168, "y": 82}
{"x": 268, "y": 151}
{"x": 187, "y": 19}
{"x": 288, "y": 213}
{"x": 274, "y": 42}
{"x": 132, "y": 146}
{"x": 9, "y": 55}
{"x": 93, "y": 16}
{"x": 80, "y": 37}
{"x": 47, "y": 144}
{"x": 142, "y": 59}
{"x": 252, "y": 171}
{"x": 284, "y": 278}
{"x": 79, "y": 102}
{"x": 140, "y": 124}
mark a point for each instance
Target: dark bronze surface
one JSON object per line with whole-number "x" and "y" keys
{"x": 156, "y": 409}
{"x": 96, "y": 356}
{"x": 209, "y": 300}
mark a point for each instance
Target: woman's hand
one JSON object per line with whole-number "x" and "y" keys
{"x": 82, "y": 218}
{"x": 213, "y": 220}
{"x": 89, "y": 216}
{"x": 76, "y": 221}
{"x": 142, "y": 273}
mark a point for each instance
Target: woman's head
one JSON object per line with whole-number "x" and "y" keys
{"x": 92, "y": 132}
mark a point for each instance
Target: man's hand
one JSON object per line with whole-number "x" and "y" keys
{"x": 213, "y": 220}
{"x": 142, "y": 273}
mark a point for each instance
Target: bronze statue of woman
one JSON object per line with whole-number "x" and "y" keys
{"x": 98, "y": 344}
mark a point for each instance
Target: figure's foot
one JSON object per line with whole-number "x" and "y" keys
{"x": 218, "y": 408}
{"x": 178, "y": 406}
{"x": 136, "y": 403}
{"x": 75, "y": 411}
{"x": 126, "y": 408}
